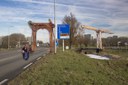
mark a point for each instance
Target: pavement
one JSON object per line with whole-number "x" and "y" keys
{"x": 12, "y": 63}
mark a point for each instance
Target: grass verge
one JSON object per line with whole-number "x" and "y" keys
{"x": 71, "y": 68}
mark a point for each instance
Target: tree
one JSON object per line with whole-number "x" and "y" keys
{"x": 74, "y": 24}
{"x": 80, "y": 36}
{"x": 16, "y": 39}
{"x": 5, "y": 42}
{"x": 40, "y": 42}
{"x": 13, "y": 40}
{"x": 87, "y": 40}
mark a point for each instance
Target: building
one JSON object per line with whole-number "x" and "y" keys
{"x": 88, "y": 36}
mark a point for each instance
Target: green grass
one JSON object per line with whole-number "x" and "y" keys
{"x": 71, "y": 68}
{"x": 122, "y": 54}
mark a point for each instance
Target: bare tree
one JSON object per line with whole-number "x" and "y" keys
{"x": 80, "y": 36}
{"x": 14, "y": 40}
{"x": 74, "y": 24}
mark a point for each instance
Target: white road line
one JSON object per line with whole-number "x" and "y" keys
{"x": 2, "y": 82}
{"x": 38, "y": 58}
{"x": 27, "y": 65}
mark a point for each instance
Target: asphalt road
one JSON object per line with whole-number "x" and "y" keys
{"x": 12, "y": 62}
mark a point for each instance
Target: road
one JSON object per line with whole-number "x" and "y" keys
{"x": 12, "y": 63}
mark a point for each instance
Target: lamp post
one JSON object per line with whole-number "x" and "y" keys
{"x": 8, "y": 38}
{"x": 55, "y": 25}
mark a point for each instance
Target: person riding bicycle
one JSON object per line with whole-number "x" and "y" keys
{"x": 25, "y": 52}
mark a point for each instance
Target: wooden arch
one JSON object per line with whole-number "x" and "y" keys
{"x": 36, "y": 26}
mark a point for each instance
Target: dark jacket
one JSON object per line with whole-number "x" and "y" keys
{"x": 25, "y": 49}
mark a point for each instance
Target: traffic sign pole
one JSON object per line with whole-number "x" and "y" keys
{"x": 63, "y": 44}
{"x": 63, "y": 31}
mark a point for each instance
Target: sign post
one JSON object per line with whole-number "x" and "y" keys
{"x": 63, "y": 32}
{"x": 63, "y": 44}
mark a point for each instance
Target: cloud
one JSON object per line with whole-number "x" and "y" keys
{"x": 108, "y": 14}
{"x": 43, "y": 35}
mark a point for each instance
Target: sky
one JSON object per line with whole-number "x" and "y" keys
{"x": 102, "y": 14}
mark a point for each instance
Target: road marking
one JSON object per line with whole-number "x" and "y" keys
{"x": 38, "y": 58}
{"x": 2, "y": 82}
{"x": 27, "y": 65}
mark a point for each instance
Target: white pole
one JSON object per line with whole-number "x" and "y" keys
{"x": 97, "y": 39}
{"x": 100, "y": 40}
{"x": 63, "y": 44}
{"x": 8, "y": 37}
{"x": 55, "y": 24}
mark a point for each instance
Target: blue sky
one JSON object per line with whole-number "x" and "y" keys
{"x": 106, "y": 14}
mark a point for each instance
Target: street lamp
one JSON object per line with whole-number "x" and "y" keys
{"x": 8, "y": 38}
{"x": 19, "y": 40}
{"x": 55, "y": 24}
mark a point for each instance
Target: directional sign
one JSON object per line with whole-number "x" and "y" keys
{"x": 63, "y": 31}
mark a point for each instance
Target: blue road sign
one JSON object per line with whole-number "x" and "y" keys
{"x": 63, "y": 31}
